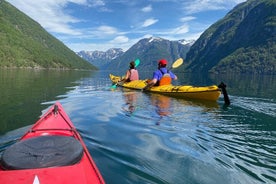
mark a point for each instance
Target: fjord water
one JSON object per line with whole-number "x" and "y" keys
{"x": 137, "y": 137}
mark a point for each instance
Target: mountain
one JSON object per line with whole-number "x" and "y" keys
{"x": 24, "y": 43}
{"x": 101, "y": 58}
{"x": 149, "y": 51}
{"x": 244, "y": 41}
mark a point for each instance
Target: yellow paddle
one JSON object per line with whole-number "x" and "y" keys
{"x": 177, "y": 63}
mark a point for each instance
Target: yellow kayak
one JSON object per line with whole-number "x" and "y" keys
{"x": 211, "y": 93}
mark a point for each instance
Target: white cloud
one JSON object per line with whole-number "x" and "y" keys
{"x": 175, "y": 31}
{"x": 149, "y": 22}
{"x": 89, "y": 46}
{"x": 118, "y": 42}
{"x": 187, "y": 19}
{"x": 147, "y": 36}
{"x": 107, "y": 30}
{"x": 147, "y": 9}
{"x": 196, "y": 6}
{"x": 181, "y": 30}
{"x": 96, "y": 3}
{"x": 50, "y": 14}
{"x": 120, "y": 39}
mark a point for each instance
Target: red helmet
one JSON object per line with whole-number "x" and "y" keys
{"x": 163, "y": 62}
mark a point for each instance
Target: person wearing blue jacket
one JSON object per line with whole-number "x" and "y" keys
{"x": 162, "y": 76}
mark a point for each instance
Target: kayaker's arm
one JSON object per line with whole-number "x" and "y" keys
{"x": 173, "y": 76}
{"x": 126, "y": 77}
{"x": 150, "y": 84}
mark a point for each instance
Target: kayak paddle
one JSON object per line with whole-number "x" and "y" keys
{"x": 137, "y": 62}
{"x": 177, "y": 63}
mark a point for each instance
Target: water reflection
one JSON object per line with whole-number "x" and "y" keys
{"x": 130, "y": 98}
{"x": 237, "y": 84}
{"x": 162, "y": 104}
{"x": 205, "y": 104}
{"x": 23, "y": 91}
{"x": 248, "y": 85}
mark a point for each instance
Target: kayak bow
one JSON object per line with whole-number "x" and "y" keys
{"x": 52, "y": 151}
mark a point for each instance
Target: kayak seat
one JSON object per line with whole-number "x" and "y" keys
{"x": 42, "y": 152}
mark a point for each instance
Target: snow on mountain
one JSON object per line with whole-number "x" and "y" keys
{"x": 187, "y": 42}
{"x": 146, "y": 49}
{"x": 100, "y": 58}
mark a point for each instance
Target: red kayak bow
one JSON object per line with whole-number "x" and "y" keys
{"x": 52, "y": 151}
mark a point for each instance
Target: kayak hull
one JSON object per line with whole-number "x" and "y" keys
{"x": 55, "y": 123}
{"x": 211, "y": 93}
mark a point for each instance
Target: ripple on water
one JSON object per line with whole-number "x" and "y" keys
{"x": 259, "y": 105}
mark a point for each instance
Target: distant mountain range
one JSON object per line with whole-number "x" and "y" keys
{"x": 244, "y": 41}
{"x": 101, "y": 58}
{"x": 148, "y": 50}
{"x": 24, "y": 43}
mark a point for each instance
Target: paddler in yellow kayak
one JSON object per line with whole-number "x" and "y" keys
{"x": 131, "y": 73}
{"x": 162, "y": 76}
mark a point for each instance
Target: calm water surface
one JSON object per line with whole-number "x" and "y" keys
{"x": 136, "y": 137}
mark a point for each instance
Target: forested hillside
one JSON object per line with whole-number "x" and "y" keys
{"x": 244, "y": 41}
{"x": 24, "y": 43}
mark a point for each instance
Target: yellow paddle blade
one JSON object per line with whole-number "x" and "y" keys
{"x": 177, "y": 63}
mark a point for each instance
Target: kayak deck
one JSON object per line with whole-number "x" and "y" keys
{"x": 211, "y": 93}
{"x": 52, "y": 151}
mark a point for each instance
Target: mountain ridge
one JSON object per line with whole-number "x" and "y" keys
{"x": 242, "y": 42}
{"x": 148, "y": 50}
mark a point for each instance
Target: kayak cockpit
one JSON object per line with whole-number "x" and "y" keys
{"x": 42, "y": 152}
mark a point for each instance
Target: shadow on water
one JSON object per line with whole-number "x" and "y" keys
{"x": 23, "y": 91}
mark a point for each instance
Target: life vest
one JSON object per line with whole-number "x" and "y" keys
{"x": 165, "y": 79}
{"x": 133, "y": 75}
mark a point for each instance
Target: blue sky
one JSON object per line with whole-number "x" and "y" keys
{"x": 102, "y": 24}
